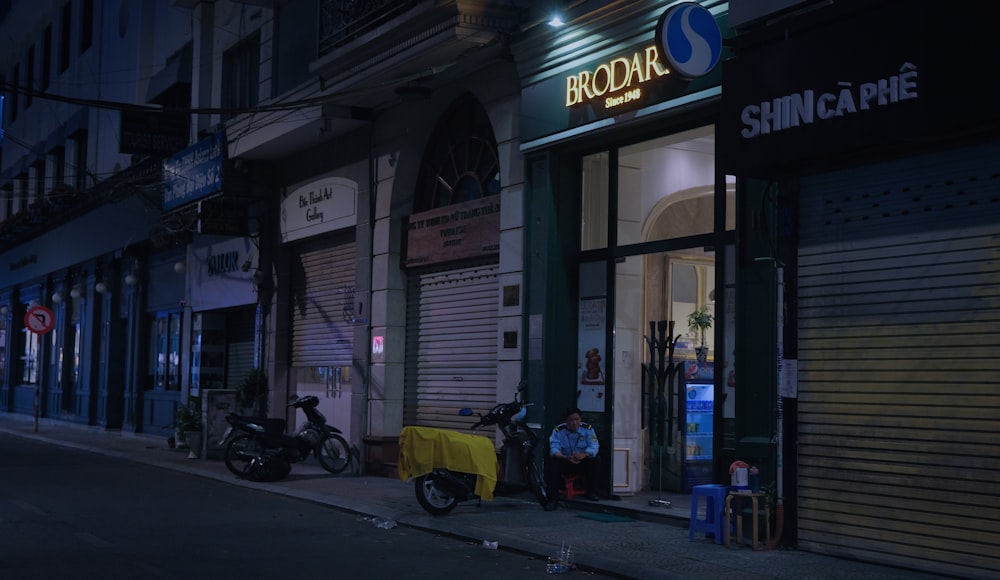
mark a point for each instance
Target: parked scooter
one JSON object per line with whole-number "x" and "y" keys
{"x": 439, "y": 489}
{"x": 259, "y": 450}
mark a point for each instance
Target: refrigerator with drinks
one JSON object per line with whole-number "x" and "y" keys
{"x": 699, "y": 408}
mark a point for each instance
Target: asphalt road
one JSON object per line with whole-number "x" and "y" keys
{"x": 71, "y": 514}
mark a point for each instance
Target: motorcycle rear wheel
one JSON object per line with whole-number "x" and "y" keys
{"x": 435, "y": 500}
{"x": 240, "y": 451}
{"x": 537, "y": 484}
{"x": 334, "y": 453}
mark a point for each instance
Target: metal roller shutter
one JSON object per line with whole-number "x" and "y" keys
{"x": 239, "y": 344}
{"x": 322, "y": 302}
{"x": 451, "y": 346}
{"x": 899, "y": 301}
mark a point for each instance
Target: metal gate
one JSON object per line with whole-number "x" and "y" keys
{"x": 240, "y": 341}
{"x": 899, "y": 302}
{"x": 323, "y": 302}
{"x": 451, "y": 346}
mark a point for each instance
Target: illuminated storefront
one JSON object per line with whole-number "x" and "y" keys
{"x": 630, "y": 232}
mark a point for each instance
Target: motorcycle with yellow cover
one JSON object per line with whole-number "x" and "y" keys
{"x": 448, "y": 467}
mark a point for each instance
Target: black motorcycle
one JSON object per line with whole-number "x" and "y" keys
{"x": 439, "y": 489}
{"x": 259, "y": 449}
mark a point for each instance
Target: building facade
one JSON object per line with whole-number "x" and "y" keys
{"x": 864, "y": 135}
{"x": 631, "y": 231}
{"x": 405, "y": 208}
{"x": 259, "y": 168}
{"x": 80, "y": 205}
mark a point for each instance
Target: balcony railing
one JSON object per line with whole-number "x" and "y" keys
{"x": 64, "y": 203}
{"x": 343, "y": 21}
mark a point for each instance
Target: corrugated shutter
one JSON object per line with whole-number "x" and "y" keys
{"x": 451, "y": 346}
{"x": 322, "y": 301}
{"x": 239, "y": 344}
{"x": 899, "y": 302}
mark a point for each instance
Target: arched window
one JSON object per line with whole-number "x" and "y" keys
{"x": 461, "y": 161}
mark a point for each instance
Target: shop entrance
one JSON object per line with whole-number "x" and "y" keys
{"x": 651, "y": 209}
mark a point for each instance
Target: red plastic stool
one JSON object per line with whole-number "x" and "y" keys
{"x": 569, "y": 489}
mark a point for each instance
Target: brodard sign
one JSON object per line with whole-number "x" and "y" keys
{"x": 679, "y": 58}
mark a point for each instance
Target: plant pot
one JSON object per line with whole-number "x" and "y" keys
{"x": 193, "y": 439}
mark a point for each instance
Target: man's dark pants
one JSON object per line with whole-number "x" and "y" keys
{"x": 555, "y": 469}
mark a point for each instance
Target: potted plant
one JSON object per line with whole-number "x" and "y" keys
{"x": 188, "y": 425}
{"x": 699, "y": 322}
{"x": 251, "y": 392}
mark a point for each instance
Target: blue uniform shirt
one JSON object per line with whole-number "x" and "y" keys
{"x": 566, "y": 442}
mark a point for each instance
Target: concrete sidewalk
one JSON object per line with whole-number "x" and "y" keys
{"x": 623, "y": 539}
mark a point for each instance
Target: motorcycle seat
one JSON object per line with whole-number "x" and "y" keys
{"x": 270, "y": 425}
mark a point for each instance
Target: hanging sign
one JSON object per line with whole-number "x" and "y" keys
{"x": 39, "y": 319}
{"x": 464, "y": 230}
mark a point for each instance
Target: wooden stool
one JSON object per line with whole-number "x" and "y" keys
{"x": 569, "y": 489}
{"x": 739, "y": 517}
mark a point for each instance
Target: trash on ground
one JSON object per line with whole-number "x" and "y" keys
{"x": 383, "y": 523}
{"x": 561, "y": 562}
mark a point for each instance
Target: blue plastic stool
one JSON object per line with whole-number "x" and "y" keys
{"x": 714, "y": 523}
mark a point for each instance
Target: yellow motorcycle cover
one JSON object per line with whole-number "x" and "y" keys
{"x": 421, "y": 449}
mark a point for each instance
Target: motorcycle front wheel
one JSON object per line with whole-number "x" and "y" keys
{"x": 432, "y": 498}
{"x": 240, "y": 451}
{"x": 333, "y": 453}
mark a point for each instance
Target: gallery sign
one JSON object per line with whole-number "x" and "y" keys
{"x": 464, "y": 230}
{"x": 324, "y": 205}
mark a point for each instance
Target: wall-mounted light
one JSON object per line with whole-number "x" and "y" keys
{"x": 56, "y": 297}
{"x": 76, "y": 292}
{"x": 180, "y": 267}
{"x": 4, "y": 310}
{"x": 131, "y": 280}
{"x": 100, "y": 287}
{"x": 32, "y": 303}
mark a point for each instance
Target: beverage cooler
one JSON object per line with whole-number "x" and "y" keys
{"x": 698, "y": 389}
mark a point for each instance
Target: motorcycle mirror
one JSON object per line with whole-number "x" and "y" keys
{"x": 465, "y": 412}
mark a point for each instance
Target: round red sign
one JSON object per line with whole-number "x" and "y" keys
{"x": 39, "y": 319}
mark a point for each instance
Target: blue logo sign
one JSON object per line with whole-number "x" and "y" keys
{"x": 689, "y": 39}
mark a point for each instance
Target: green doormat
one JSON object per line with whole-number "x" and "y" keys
{"x": 607, "y": 518}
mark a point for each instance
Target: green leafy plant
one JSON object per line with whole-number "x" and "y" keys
{"x": 189, "y": 416}
{"x": 771, "y": 489}
{"x": 252, "y": 391}
{"x": 700, "y": 321}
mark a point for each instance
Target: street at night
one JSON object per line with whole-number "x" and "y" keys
{"x": 72, "y": 514}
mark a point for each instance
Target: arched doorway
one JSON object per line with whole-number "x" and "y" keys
{"x": 453, "y": 272}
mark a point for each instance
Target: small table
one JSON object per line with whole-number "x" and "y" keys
{"x": 753, "y": 496}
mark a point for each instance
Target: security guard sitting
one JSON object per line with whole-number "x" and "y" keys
{"x": 573, "y": 448}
